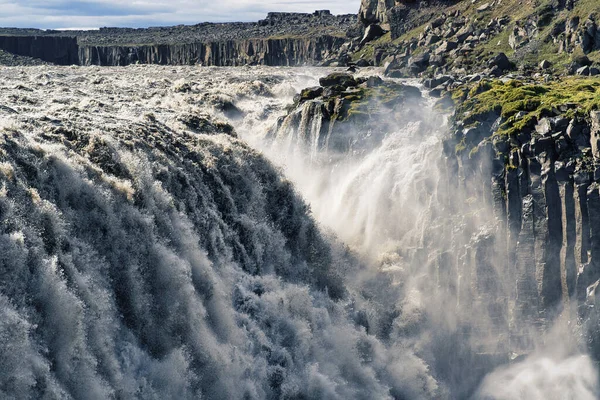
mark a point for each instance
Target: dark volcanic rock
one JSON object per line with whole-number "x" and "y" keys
{"x": 311, "y": 93}
{"x": 273, "y": 52}
{"x": 337, "y": 78}
{"x": 350, "y": 112}
{"x": 502, "y": 62}
{"x": 53, "y": 49}
{"x": 372, "y": 32}
{"x": 283, "y": 39}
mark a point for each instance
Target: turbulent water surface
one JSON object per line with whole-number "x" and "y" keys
{"x": 148, "y": 251}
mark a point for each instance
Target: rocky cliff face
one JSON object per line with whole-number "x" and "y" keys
{"x": 399, "y": 16}
{"x": 540, "y": 151}
{"x": 509, "y": 210}
{"x": 272, "y": 52}
{"x": 375, "y": 11}
{"x": 281, "y": 39}
{"x": 57, "y": 50}
{"x": 462, "y": 37}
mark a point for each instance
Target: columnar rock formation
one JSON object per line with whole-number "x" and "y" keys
{"x": 547, "y": 200}
{"x": 273, "y": 52}
{"x": 281, "y": 39}
{"x": 57, "y": 50}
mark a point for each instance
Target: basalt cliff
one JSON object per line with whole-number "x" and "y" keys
{"x": 281, "y": 39}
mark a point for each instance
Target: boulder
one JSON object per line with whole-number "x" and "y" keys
{"x": 432, "y": 39}
{"x": 544, "y": 127}
{"x": 501, "y": 61}
{"x": 337, "y": 78}
{"x": 311, "y": 93}
{"x": 421, "y": 60}
{"x": 583, "y": 71}
{"x": 374, "y": 81}
{"x": 495, "y": 71}
{"x": 391, "y": 64}
{"x": 419, "y": 63}
{"x": 545, "y": 64}
{"x": 576, "y": 131}
{"x": 464, "y": 33}
{"x": 446, "y": 47}
{"x": 582, "y": 61}
{"x": 437, "y": 81}
{"x": 437, "y": 60}
{"x": 436, "y": 23}
{"x": 378, "y": 56}
{"x": 372, "y": 32}
{"x": 363, "y": 63}
{"x": 483, "y": 8}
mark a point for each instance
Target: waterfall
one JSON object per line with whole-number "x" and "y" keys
{"x": 399, "y": 203}
{"x": 147, "y": 251}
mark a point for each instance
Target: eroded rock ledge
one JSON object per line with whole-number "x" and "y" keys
{"x": 345, "y": 112}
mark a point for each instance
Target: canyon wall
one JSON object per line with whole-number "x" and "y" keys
{"x": 545, "y": 195}
{"x": 285, "y": 51}
{"x": 54, "y": 49}
{"x": 272, "y": 52}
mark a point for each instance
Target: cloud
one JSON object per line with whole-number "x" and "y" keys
{"x": 52, "y": 14}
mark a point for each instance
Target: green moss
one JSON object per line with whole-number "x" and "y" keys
{"x": 460, "y": 147}
{"x": 474, "y": 151}
{"x": 536, "y": 100}
{"x": 368, "y": 49}
{"x": 480, "y": 87}
{"x": 370, "y": 101}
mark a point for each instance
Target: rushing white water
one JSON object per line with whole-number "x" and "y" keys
{"x": 142, "y": 259}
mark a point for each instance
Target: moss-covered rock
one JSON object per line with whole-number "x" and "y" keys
{"x": 521, "y": 105}
{"x": 337, "y": 78}
{"x": 311, "y": 93}
{"x": 358, "y": 115}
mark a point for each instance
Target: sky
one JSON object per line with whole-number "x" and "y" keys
{"x": 58, "y": 14}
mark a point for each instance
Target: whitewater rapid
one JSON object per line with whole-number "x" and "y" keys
{"x": 147, "y": 251}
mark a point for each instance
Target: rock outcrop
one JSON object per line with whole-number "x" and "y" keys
{"x": 522, "y": 153}
{"x": 347, "y": 113}
{"x": 375, "y": 11}
{"x": 54, "y": 49}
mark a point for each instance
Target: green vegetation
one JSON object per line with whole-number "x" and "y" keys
{"x": 368, "y": 49}
{"x": 521, "y": 105}
{"x": 541, "y": 46}
{"x": 365, "y": 102}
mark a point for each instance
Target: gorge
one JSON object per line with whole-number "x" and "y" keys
{"x": 413, "y": 219}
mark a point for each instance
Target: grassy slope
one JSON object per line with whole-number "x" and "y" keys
{"x": 517, "y": 10}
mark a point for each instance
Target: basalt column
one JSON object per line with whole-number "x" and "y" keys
{"x": 551, "y": 285}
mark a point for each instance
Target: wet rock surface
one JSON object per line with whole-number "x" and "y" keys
{"x": 546, "y": 156}
{"x": 349, "y": 111}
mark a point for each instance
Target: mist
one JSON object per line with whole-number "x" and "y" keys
{"x": 146, "y": 258}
